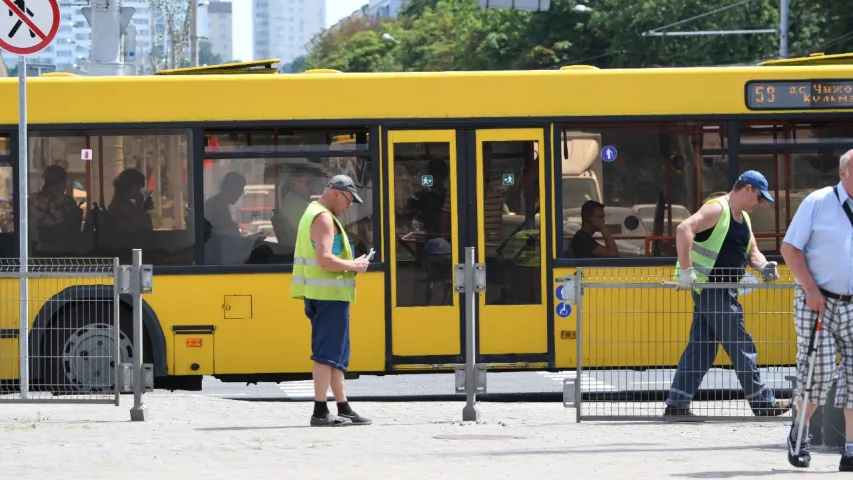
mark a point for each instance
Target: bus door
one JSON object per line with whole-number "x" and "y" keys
{"x": 424, "y": 225}
{"x": 511, "y": 241}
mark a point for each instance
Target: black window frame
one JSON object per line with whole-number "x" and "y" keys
{"x": 200, "y": 154}
{"x": 730, "y": 151}
{"x": 109, "y": 130}
{"x": 735, "y": 146}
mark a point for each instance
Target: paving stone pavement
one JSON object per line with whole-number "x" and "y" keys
{"x": 194, "y": 436}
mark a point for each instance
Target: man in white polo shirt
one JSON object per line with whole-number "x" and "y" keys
{"x": 818, "y": 248}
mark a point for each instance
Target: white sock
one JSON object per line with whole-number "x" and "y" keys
{"x": 848, "y": 449}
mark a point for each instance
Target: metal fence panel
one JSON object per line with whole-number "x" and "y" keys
{"x": 75, "y": 337}
{"x": 628, "y": 350}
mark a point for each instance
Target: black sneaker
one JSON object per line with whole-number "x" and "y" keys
{"x": 355, "y": 418}
{"x": 779, "y": 407}
{"x": 804, "y": 458}
{"x": 330, "y": 420}
{"x": 846, "y": 464}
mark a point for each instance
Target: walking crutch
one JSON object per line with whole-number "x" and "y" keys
{"x": 812, "y": 352}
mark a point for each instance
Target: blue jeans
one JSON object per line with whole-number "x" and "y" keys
{"x": 718, "y": 320}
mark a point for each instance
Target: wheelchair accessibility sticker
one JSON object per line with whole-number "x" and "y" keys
{"x": 564, "y": 310}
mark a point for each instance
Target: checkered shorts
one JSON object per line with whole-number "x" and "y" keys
{"x": 837, "y": 331}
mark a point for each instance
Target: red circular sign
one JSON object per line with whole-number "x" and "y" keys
{"x": 29, "y": 19}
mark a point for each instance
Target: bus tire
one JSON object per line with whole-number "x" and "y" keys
{"x": 77, "y": 348}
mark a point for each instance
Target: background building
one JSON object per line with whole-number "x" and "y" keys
{"x": 384, "y": 8}
{"x": 70, "y": 50}
{"x": 220, "y": 28}
{"x": 283, "y": 28}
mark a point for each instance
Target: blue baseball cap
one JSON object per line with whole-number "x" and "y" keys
{"x": 757, "y": 181}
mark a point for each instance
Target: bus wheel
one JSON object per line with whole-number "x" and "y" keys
{"x": 79, "y": 347}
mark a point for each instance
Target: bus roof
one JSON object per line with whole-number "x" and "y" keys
{"x": 237, "y": 68}
{"x": 206, "y": 96}
{"x": 813, "y": 59}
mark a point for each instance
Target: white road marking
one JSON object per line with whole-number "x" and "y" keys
{"x": 232, "y": 394}
{"x": 301, "y": 389}
{"x": 588, "y": 382}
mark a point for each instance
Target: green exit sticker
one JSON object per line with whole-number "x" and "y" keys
{"x": 426, "y": 180}
{"x": 509, "y": 179}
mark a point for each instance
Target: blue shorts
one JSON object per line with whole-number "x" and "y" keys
{"x": 329, "y": 332}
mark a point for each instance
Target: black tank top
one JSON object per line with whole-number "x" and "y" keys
{"x": 730, "y": 266}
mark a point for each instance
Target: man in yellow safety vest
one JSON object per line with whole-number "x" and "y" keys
{"x": 324, "y": 277}
{"x": 714, "y": 245}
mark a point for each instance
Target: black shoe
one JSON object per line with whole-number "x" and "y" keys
{"x": 679, "y": 414}
{"x": 779, "y": 407}
{"x": 330, "y": 420}
{"x": 846, "y": 464}
{"x": 355, "y": 418}
{"x": 804, "y": 458}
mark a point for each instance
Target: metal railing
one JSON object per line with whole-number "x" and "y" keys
{"x": 642, "y": 344}
{"x": 66, "y": 336}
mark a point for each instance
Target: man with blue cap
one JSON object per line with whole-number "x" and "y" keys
{"x": 714, "y": 245}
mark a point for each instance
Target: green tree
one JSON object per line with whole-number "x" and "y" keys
{"x": 439, "y": 35}
{"x": 330, "y": 47}
{"x": 206, "y": 55}
{"x": 298, "y": 64}
{"x": 365, "y": 51}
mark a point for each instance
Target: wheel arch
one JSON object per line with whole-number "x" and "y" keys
{"x": 83, "y": 293}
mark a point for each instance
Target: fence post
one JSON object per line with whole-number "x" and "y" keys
{"x": 118, "y": 288}
{"x": 470, "y": 278}
{"x": 572, "y": 290}
{"x": 24, "y": 326}
{"x": 141, "y": 281}
{"x": 578, "y": 298}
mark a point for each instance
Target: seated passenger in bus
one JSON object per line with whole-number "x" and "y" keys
{"x": 583, "y": 245}
{"x": 54, "y": 215}
{"x": 297, "y": 193}
{"x": 227, "y": 245}
{"x": 128, "y": 210}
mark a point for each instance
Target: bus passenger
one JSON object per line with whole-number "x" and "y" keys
{"x": 297, "y": 196}
{"x": 714, "y": 245}
{"x": 128, "y": 210}
{"x": 227, "y": 245}
{"x": 592, "y": 220}
{"x": 324, "y": 278}
{"x": 55, "y": 214}
{"x": 217, "y": 209}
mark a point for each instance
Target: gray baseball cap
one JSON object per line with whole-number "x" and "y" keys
{"x": 344, "y": 184}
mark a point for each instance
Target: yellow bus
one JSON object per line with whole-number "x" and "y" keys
{"x": 444, "y": 161}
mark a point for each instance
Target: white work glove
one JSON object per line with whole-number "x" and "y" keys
{"x": 768, "y": 272}
{"x": 686, "y": 279}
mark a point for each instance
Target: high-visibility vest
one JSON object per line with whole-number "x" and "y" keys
{"x": 519, "y": 252}
{"x": 311, "y": 280}
{"x": 704, "y": 254}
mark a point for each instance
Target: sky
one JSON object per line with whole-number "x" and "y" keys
{"x": 241, "y": 11}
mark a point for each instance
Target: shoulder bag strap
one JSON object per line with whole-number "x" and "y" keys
{"x": 845, "y": 205}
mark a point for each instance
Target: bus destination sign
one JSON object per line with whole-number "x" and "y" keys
{"x": 799, "y": 95}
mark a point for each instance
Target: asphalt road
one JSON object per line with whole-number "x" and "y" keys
{"x": 527, "y": 385}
